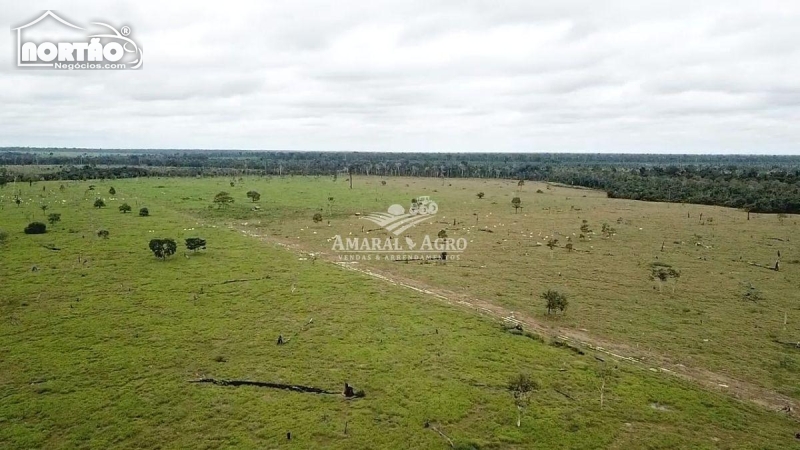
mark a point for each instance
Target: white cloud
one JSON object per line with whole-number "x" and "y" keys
{"x": 627, "y": 76}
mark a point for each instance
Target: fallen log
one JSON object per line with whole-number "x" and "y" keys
{"x": 241, "y": 280}
{"x": 564, "y": 394}
{"x": 795, "y": 345}
{"x": 287, "y": 387}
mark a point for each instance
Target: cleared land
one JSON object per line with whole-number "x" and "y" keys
{"x": 98, "y": 343}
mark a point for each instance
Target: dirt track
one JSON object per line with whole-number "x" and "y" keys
{"x": 650, "y": 361}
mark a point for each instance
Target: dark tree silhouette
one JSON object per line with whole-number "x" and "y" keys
{"x": 195, "y": 244}
{"x": 254, "y": 196}
{"x": 36, "y": 228}
{"x": 223, "y": 199}
{"x": 554, "y": 300}
{"x": 162, "y": 248}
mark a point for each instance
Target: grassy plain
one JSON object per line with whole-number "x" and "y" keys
{"x": 97, "y": 343}
{"x": 704, "y": 318}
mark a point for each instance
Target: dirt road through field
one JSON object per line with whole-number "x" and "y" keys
{"x": 600, "y": 348}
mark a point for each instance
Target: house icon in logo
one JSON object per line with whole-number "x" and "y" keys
{"x": 20, "y": 29}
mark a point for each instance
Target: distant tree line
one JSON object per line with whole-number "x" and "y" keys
{"x": 767, "y": 184}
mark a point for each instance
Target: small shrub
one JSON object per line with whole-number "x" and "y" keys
{"x": 36, "y": 228}
{"x": 124, "y": 208}
{"x": 788, "y": 363}
{"x": 751, "y": 293}
{"x": 317, "y": 218}
{"x": 53, "y": 218}
{"x": 3, "y": 236}
{"x": 481, "y": 195}
{"x": 566, "y": 345}
{"x": 144, "y": 212}
{"x": 254, "y": 196}
{"x": 103, "y": 234}
{"x": 195, "y": 244}
{"x": 99, "y": 203}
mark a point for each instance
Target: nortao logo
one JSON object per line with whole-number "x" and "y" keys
{"x": 397, "y": 220}
{"x": 75, "y": 48}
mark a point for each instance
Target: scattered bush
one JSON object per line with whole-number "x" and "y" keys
{"x": 254, "y": 196}
{"x": 99, "y": 203}
{"x": 554, "y": 300}
{"x": 125, "y": 208}
{"x": 195, "y": 244}
{"x": 481, "y": 195}
{"x": 223, "y": 198}
{"x": 36, "y": 228}
{"x": 144, "y": 212}
{"x": 662, "y": 271}
{"x": 317, "y": 218}
{"x": 3, "y": 236}
{"x": 162, "y": 248}
{"x": 112, "y": 191}
{"x": 751, "y": 293}
{"x": 53, "y": 218}
{"x": 102, "y": 234}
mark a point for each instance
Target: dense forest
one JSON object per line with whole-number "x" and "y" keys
{"x": 768, "y": 184}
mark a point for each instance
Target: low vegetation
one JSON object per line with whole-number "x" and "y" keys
{"x": 106, "y": 343}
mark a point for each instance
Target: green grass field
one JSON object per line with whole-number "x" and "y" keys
{"x": 99, "y": 339}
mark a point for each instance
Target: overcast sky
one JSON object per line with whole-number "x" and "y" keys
{"x": 461, "y": 76}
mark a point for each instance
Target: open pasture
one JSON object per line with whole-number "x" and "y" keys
{"x": 99, "y": 339}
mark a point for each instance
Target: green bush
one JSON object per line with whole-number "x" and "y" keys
{"x": 36, "y": 228}
{"x": 144, "y": 212}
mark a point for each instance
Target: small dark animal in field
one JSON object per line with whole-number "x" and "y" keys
{"x": 280, "y": 339}
{"x": 348, "y": 391}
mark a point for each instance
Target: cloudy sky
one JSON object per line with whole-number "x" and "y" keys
{"x": 522, "y": 76}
